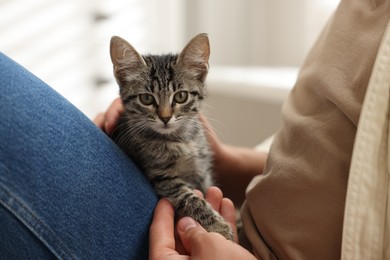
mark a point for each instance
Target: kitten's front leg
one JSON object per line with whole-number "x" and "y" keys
{"x": 187, "y": 203}
{"x": 200, "y": 210}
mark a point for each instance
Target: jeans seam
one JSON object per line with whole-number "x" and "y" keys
{"x": 34, "y": 224}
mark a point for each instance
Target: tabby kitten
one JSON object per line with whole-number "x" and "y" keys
{"x": 160, "y": 128}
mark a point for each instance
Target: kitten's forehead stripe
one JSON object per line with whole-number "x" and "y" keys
{"x": 161, "y": 71}
{"x": 170, "y": 86}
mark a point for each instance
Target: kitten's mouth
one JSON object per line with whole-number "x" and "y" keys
{"x": 166, "y": 128}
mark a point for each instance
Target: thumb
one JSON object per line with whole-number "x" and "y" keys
{"x": 190, "y": 233}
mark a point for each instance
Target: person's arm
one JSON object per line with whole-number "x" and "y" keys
{"x": 196, "y": 241}
{"x": 234, "y": 167}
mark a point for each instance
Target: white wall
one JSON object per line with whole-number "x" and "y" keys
{"x": 257, "y": 40}
{"x": 244, "y": 104}
{"x": 258, "y": 32}
{"x": 65, "y": 42}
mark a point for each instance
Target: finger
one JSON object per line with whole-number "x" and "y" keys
{"x": 228, "y": 212}
{"x": 99, "y": 120}
{"x": 190, "y": 232}
{"x": 179, "y": 245}
{"x": 161, "y": 235}
{"x": 199, "y": 193}
{"x": 214, "y": 196}
{"x": 112, "y": 115}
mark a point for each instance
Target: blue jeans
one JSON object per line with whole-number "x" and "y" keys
{"x": 66, "y": 190}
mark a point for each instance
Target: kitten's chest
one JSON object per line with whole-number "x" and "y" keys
{"x": 191, "y": 160}
{"x": 171, "y": 151}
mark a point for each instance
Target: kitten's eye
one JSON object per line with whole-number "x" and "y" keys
{"x": 146, "y": 99}
{"x": 181, "y": 97}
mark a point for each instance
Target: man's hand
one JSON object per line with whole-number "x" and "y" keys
{"x": 192, "y": 240}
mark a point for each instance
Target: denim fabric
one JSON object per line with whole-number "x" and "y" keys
{"x": 66, "y": 190}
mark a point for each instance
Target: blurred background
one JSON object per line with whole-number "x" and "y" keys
{"x": 257, "y": 47}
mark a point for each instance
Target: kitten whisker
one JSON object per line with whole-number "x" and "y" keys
{"x": 216, "y": 122}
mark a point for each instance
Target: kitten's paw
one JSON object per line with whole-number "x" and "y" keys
{"x": 221, "y": 227}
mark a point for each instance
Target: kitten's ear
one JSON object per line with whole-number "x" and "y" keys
{"x": 124, "y": 56}
{"x": 195, "y": 57}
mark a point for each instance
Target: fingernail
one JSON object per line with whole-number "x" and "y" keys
{"x": 186, "y": 224}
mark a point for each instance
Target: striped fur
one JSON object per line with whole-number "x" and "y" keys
{"x": 160, "y": 128}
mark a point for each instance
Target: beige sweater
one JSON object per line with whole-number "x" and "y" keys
{"x": 324, "y": 193}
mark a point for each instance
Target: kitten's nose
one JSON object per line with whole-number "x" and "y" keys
{"x": 165, "y": 119}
